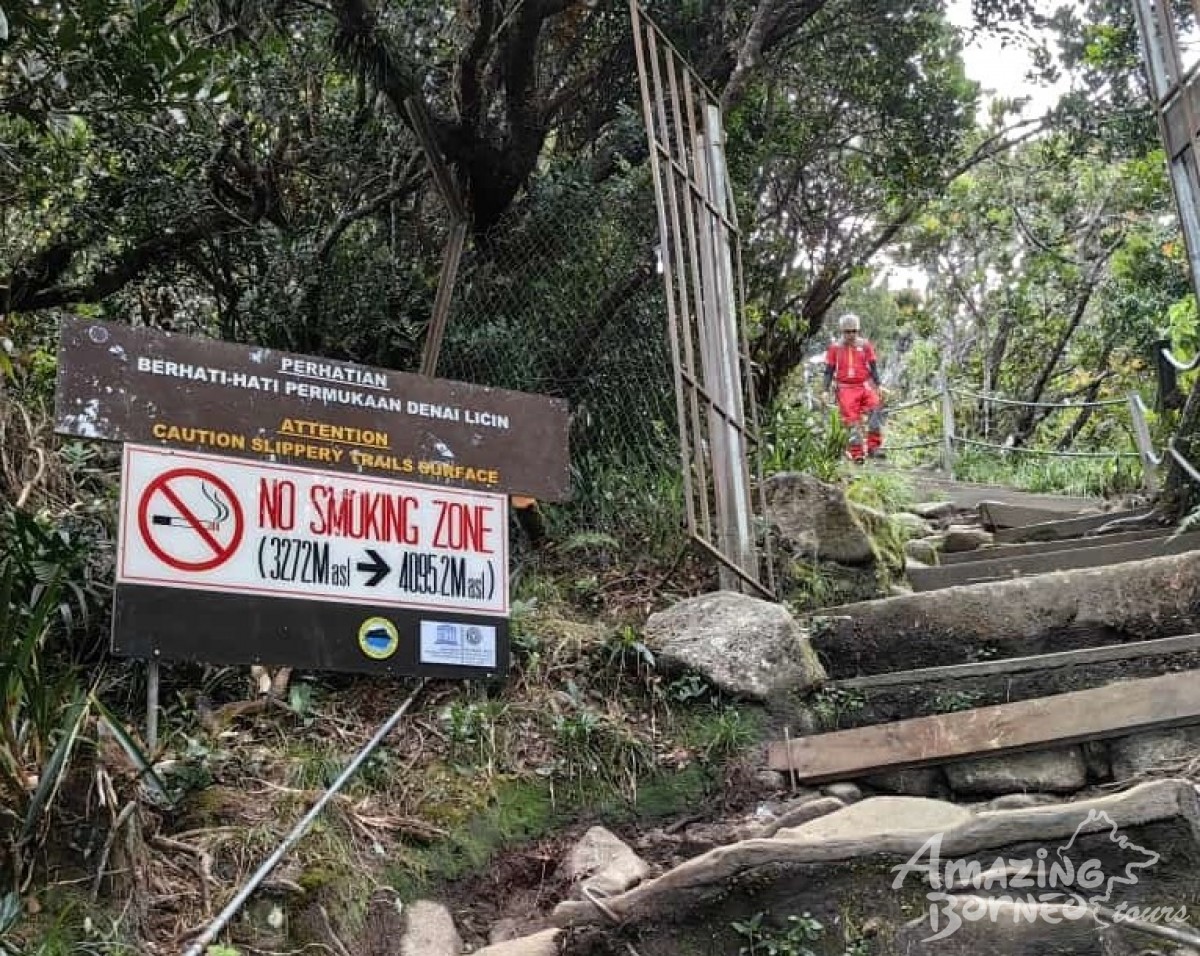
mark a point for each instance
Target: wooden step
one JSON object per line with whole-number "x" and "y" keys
{"x": 1115, "y": 710}
{"x": 1158, "y": 647}
{"x": 923, "y": 692}
{"x": 1067, "y": 559}
{"x": 1065, "y": 528}
{"x": 1003, "y": 514}
{"x": 968, "y": 495}
{"x": 992, "y": 552}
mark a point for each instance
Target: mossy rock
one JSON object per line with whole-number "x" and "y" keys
{"x": 213, "y": 806}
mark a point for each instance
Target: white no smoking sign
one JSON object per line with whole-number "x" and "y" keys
{"x": 209, "y": 523}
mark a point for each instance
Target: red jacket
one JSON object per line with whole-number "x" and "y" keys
{"x": 851, "y": 364}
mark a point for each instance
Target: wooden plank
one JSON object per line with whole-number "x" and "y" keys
{"x": 1004, "y": 514}
{"x": 1122, "y": 708}
{"x": 936, "y": 578}
{"x": 967, "y": 494}
{"x": 1066, "y": 528}
{"x": 1159, "y": 647}
{"x": 996, "y": 552}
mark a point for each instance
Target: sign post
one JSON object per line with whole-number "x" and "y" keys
{"x": 118, "y": 383}
{"x": 287, "y": 510}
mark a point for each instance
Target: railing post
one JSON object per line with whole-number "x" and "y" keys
{"x": 947, "y": 430}
{"x": 1145, "y": 447}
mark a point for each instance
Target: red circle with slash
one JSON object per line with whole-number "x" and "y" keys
{"x": 166, "y": 484}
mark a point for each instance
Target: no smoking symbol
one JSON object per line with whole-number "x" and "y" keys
{"x": 190, "y": 519}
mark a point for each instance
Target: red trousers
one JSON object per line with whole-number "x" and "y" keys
{"x": 853, "y": 402}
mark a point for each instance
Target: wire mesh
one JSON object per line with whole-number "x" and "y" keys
{"x": 564, "y": 299}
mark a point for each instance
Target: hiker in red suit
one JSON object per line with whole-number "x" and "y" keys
{"x": 850, "y": 369}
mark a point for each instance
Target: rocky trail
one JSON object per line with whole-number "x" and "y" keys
{"x": 998, "y": 763}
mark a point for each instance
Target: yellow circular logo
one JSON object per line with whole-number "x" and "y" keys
{"x": 378, "y": 638}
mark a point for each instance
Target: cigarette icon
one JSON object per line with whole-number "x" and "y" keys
{"x": 178, "y": 521}
{"x": 173, "y": 522}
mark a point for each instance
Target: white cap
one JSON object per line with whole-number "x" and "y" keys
{"x": 848, "y": 321}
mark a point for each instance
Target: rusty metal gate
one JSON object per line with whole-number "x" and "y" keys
{"x": 700, "y": 261}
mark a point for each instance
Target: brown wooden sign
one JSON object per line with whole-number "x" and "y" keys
{"x": 118, "y": 383}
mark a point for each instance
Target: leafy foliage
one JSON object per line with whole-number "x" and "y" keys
{"x": 800, "y": 440}
{"x": 41, "y": 701}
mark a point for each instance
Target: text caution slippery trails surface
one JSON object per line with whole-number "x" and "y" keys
{"x": 117, "y": 383}
{"x": 373, "y": 574}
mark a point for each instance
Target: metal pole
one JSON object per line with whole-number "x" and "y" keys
{"x": 1145, "y": 445}
{"x": 197, "y": 948}
{"x": 947, "y": 430}
{"x": 152, "y": 676}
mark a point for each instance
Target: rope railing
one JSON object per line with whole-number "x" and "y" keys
{"x": 914, "y": 446}
{"x": 913, "y": 403}
{"x": 965, "y": 393}
{"x": 950, "y": 440}
{"x": 1188, "y": 468}
{"x": 1051, "y": 452}
{"x": 1147, "y": 449}
{"x": 1151, "y": 459}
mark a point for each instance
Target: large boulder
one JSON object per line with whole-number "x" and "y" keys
{"x": 745, "y": 646}
{"x": 816, "y": 521}
{"x": 602, "y": 863}
{"x": 1046, "y": 771}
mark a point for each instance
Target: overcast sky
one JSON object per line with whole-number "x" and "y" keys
{"x": 1001, "y": 70}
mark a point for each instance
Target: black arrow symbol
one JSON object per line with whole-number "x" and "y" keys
{"x": 378, "y": 568}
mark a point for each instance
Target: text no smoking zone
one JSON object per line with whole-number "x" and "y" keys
{"x": 206, "y": 523}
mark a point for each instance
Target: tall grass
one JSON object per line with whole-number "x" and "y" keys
{"x": 1096, "y": 477}
{"x": 42, "y": 701}
{"x": 812, "y": 442}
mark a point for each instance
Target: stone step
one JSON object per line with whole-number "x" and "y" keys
{"x": 994, "y": 515}
{"x": 1064, "y": 559}
{"x": 869, "y": 870}
{"x": 994, "y": 552}
{"x": 1060, "y": 611}
{"x": 967, "y": 494}
{"x": 1066, "y": 527}
{"x": 883, "y": 698}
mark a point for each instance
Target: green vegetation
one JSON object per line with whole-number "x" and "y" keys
{"x": 1099, "y": 477}
{"x": 809, "y": 442}
{"x": 250, "y": 172}
{"x": 881, "y": 490}
{"x": 830, "y": 705}
{"x": 790, "y": 939}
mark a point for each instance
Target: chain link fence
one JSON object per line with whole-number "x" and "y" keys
{"x": 565, "y": 299}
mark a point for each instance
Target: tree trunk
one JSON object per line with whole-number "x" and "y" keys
{"x": 1085, "y": 414}
{"x": 1031, "y": 416}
